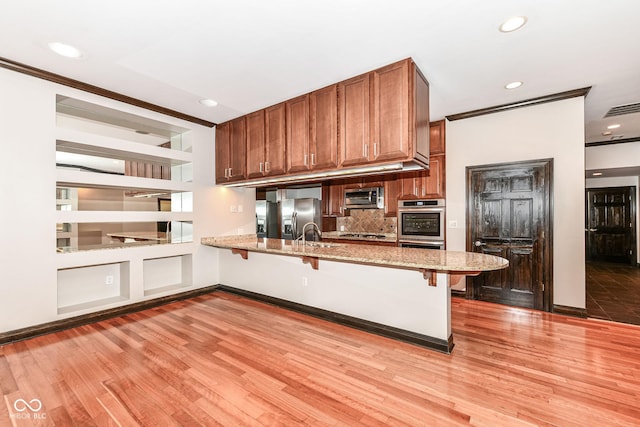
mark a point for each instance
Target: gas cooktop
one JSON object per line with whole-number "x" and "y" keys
{"x": 363, "y": 235}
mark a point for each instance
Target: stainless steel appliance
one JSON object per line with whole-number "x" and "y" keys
{"x": 421, "y": 223}
{"x": 364, "y": 198}
{"x": 267, "y": 219}
{"x": 295, "y": 213}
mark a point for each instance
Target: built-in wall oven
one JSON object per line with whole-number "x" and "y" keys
{"x": 421, "y": 223}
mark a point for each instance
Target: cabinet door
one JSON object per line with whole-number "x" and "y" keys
{"x": 409, "y": 186}
{"x": 237, "y": 149}
{"x": 436, "y": 138}
{"x": 222, "y": 152}
{"x": 432, "y": 182}
{"x": 275, "y": 154}
{"x": 323, "y": 108}
{"x": 255, "y": 144}
{"x": 354, "y": 110}
{"x": 297, "y": 111}
{"x": 336, "y": 197}
{"x": 391, "y": 112}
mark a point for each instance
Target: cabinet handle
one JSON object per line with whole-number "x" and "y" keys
{"x": 230, "y": 175}
{"x": 266, "y": 166}
{"x": 313, "y": 159}
{"x": 261, "y": 169}
{"x": 226, "y": 172}
{"x": 375, "y": 149}
{"x": 365, "y": 150}
{"x": 423, "y": 191}
{"x": 305, "y": 160}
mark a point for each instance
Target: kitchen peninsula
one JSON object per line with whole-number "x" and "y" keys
{"x": 397, "y": 292}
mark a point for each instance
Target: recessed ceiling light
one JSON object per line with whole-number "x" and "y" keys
{"x": 513, "y": 85}
{"x": 65, "y": 50}
{"x": 513, "y": 24}
{"x": 208, "y": 102}
{"x": 596, "y": 173}
{"x": 615, "y": 126}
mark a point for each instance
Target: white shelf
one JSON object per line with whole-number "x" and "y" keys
{"x": 92, "y": 286}
{"x": 74, "y": 178}
{"x": 167, "y": 273}
{"x": 121, "y": 216}
{"x": 91, "y": 304}
{"x": 77, "y": 141}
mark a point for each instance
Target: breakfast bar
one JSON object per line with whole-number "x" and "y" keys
{"x": 398, "y": 292}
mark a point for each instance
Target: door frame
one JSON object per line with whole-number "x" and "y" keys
{"x": 546, "y": 271}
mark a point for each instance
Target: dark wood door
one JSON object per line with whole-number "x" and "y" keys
{"x": 610, "y": 224}
{"x": 509, "y": 216}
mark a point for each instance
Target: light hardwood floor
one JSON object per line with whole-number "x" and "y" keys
{"x": 223, "y": 360}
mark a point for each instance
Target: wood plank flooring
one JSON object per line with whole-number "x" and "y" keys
{"x": 221, "y": 360}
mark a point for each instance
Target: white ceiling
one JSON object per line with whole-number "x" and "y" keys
{"x": 248, "y": 54}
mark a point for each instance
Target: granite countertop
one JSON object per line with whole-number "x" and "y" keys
{"x": 360, "y": 235}
{"x": 390, "y": 256}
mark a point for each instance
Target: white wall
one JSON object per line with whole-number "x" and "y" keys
{"x": 553, "y": 130}
{"x": 28, "y": 260}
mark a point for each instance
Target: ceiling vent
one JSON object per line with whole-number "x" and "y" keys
{"x": 623, "y": 109}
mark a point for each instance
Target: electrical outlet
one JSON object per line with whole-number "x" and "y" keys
{"x": 233, "y": 209}
{"x": 240, "y": 209}
{"x": 453, "y": 224}
{"x": 108, "y": 280}
{"x": 305, "y": 282}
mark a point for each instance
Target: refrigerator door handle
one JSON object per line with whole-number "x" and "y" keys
{"x": 294, "y": 225}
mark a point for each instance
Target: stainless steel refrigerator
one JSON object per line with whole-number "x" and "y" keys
{"x": 295, "y": 213}
{"x": 267, "y": 219}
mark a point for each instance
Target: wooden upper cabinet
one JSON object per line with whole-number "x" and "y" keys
{"x": 237, "y": 149}
{"x": 427, "y": 184}
{"x": 222, "y": 152}
{"x": 297, "y": 113}
{"x": 323, "y": 128}
{"x": 384, "y": 116}
{"x": 376, "y": 118}
{"x": 390, "y": 104}
{"x": 275, "y": 146}
{"x": 231, "y": 151}
{"x": 255, "y": 144}
{"x": 354, "y": 108}
{"x": 436, "y": 138}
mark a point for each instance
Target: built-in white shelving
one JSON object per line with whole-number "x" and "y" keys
{"x": 134, "y": 249}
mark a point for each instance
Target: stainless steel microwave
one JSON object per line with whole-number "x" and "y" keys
{"x": 364, "y": 198}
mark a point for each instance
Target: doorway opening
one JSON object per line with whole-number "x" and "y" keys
{"x": 612, "y": 276}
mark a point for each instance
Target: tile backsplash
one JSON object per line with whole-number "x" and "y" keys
{"x": 367, "y": 220}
